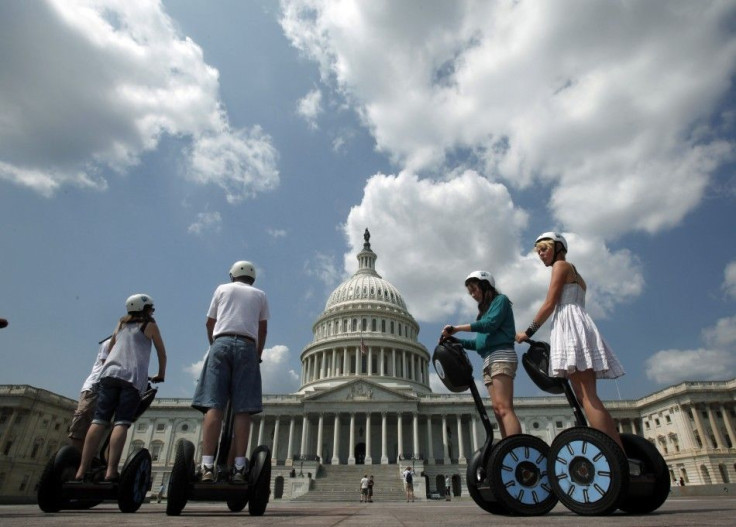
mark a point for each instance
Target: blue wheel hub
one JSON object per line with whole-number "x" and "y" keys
{"x": 524, "y": 475}
{"x": 583, "y": 472}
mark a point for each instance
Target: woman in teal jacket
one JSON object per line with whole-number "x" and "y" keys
{"x": 494, "y": 342}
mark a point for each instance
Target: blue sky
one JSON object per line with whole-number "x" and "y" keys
{"x": 145, "y": 146}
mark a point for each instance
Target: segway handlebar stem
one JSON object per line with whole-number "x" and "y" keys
{"x": 481, "y": 410}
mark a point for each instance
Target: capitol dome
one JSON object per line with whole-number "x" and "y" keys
{"x": 366, "y": 285}
{"x": 365, "y": 331}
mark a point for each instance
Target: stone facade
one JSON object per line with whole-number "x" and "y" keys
{"x": 33, "y": 426}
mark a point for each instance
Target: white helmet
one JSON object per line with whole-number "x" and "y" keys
{"x": 138, "y": 302}
{"x": 554, "y": 236}
{"x": 243, "y": 268}
{"x": 482, "y": 275}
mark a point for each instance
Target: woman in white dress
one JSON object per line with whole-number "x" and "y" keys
{"x": 578, "y": 351}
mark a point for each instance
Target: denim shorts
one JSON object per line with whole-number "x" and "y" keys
{"x": 117, "y": 397}
{"x": 230, "y": 372}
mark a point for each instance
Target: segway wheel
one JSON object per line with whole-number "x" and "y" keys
{"x": 135, "y": 481}
{"x": 654, "y": 464}
{"x": 239, "y": 503}
{"x": 182, "y": 477}
{"x": 60, "y": 468}
{"x": 589, "y": 472}
{"x": 474, "y": 478}
{"x": 259, "y": 480}
{"x": 517, "y": 470}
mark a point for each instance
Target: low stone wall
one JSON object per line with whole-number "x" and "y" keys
{"x": 722, "y": 489}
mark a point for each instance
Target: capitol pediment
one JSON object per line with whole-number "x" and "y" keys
{"x": 360, "y": 390}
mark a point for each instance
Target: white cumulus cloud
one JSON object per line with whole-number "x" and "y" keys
{"x": 206, "y": 222}
{"x": 716, "y": 361}
{"x": 729, "y": 282}
{"x": 309, "y": 107}
{"x": 97, "y": 85}
{"x": 614, "y": 106}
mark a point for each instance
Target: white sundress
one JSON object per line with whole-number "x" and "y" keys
{"x": 575, "y": 342}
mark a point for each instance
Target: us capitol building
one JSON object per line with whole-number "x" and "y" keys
{"x": 365, "y": 406}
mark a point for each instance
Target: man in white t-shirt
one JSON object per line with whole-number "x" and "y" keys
{"x": 237, "y": 324}
{"x": 364, "y": 488}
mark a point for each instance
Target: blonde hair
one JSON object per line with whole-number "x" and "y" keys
{"x": 547, "y": 244}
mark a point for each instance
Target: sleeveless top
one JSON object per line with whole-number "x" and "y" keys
{"x": 129, "y": 357}
{"x": 575, "y": 342}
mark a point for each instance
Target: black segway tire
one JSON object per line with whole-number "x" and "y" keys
{"x": 259, "y": 480}
{"x": 517, "y": 470}
{"x": 588, "y": 470}
{"x": 182, "y": 478}
{"x": 239, "y": 503}
{"x": 135, "y": 481}
{"x": 60, "y": 468}
{"x": 49, "y": 489}
{"x": 473, "y": 475}
{"x": 654, "y": 464}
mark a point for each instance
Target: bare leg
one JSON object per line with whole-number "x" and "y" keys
{"x": 502, "y": 398}
{"x": 117, "y": 442}
{"x": 211, "y": 427}
{"x": 584, "y": 385}
{"x": 242, "y": 431}
{"x": 91, "y": 443}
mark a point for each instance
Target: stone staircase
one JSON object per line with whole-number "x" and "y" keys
{"x": 341, "y": 483}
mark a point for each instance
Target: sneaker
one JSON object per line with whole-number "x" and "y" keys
{"x": 238, "y": 475}
{"x": 207, "y": 474}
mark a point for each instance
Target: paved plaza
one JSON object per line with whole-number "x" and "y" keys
{"x": 700, "y": 511}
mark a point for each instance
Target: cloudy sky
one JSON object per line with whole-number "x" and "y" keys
{"x": 145, "y": 146}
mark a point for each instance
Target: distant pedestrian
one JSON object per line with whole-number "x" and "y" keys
{"x": 161, "y": 490}
{"x": 682, "y": 482}
{"x": 448, "y": 488}
{"x": 370, "y": 488}
{"x": 364, "y": 489}
{"x": 408, "y": 475}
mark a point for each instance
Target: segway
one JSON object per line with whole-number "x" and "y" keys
{"x": 184, "y": 483}
{"x": 589, "y": 472}
{"x": 57, "y": 488}
{"x": 510, "y": 477}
